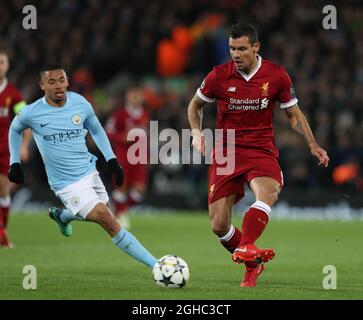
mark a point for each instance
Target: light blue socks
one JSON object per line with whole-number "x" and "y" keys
{"x": 128, "y": 243}
{"x": 67, "y": 216}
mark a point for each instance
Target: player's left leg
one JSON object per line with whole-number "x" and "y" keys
{"x": 63, "y": 217}
{"x": 266, "y": 191}
{"x": 4, "y": 211}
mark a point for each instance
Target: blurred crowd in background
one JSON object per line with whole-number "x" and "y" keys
{"x": 169, "y": 46}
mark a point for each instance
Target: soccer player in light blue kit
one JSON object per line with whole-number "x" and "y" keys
{"x": 60, "y": 122}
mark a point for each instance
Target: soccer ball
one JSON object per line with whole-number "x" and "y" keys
{"x": 171, "y": 272}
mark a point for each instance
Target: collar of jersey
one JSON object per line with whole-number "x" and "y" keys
{"x": 46, "y": 102}
{"x": 249, "y": 76}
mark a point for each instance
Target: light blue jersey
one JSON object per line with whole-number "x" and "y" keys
{"x": 59, "y": 133}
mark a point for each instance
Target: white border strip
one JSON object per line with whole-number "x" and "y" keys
{"x": 229, "y": 234}
{"x": 288, "y": 104}
{"x": 260, "y": 205}
{"x": 203, "y": 97}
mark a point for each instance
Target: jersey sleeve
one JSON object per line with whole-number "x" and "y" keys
{"x": 286, "y": 96}
{"x": 18, "y": 102}
{"x": 18, "y": 125}
{"x": 207, "y": 90}
{"x": 92, "y": 124}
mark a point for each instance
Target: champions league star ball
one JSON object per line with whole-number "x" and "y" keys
{"x": 171, "y": 272}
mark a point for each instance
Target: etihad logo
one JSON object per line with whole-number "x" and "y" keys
{"x": 63, "y": 136}
{"x": 264, "y": 88}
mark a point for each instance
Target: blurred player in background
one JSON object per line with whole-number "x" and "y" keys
{"x": 11, "y": 103}
{"x": 60, "y": 122}
{"x": 245, "y": 90}
{"x": 132, "y": 115}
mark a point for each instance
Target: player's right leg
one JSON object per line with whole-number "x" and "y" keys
{"x": 220, "y": 215}
{"x": 122, "y": 238}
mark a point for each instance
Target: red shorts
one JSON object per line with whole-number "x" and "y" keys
{"x": 134, "y": 173}
{"x": 4, "y": 161}
{"x": 249, "y": 164}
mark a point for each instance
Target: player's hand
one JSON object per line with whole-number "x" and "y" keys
{"x": 116, "y": 170}
{"x": 321, "y": 154}
{"x": 198, "y": 141}
{"x": 16, "y": 174}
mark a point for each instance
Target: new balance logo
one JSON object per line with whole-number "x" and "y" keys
{"x": 231, "y": 89}
{"x": 44, "y": 124}
{"x": 264, "y": 103}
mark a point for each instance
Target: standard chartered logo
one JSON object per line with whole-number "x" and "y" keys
{"x": 248, "y": 104}
{"x": 264, "y": 103}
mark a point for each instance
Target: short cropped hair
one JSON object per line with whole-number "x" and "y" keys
{"x": 244, "y": 29}
{"x": 50, "y": 67}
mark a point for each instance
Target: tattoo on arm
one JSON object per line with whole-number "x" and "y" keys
{"x": 300, "y": 124}
{"x": 299, "y": 128}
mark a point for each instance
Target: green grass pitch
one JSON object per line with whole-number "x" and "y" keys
{"x": 89, "y": 266}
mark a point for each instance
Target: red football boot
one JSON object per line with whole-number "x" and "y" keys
{"x": 249, "y": 252}
{"x": 253, "y": 270}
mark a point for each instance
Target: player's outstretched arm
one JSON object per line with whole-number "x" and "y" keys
{"x": 300, "y": 125}
{"x": 100, "y": 138}
{"x": 15, "y": 140}
{"x": 195, "y": 114}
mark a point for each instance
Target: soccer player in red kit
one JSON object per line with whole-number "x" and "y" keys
{"x": 11, "y": 103}
{"x": 132, "y": 116}
{"x": 245, "y": 90}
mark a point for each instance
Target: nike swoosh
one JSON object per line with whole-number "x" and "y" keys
{"x": 44, "y": 124}
{"x": 244, "y": 249}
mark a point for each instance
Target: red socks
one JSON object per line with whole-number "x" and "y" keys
{"x": 232, "y": 239}
{"x": 254, "y": 222}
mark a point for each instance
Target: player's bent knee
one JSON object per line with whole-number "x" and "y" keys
{"x": 220, "y": 228}
{"x": 269, "y": 197}
{"x": 219, "y": 219}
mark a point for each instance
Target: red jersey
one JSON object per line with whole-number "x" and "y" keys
{"x": 10, "y": 101}
{"x": 246, "y": 103}
{"x": 121, "y": 122}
